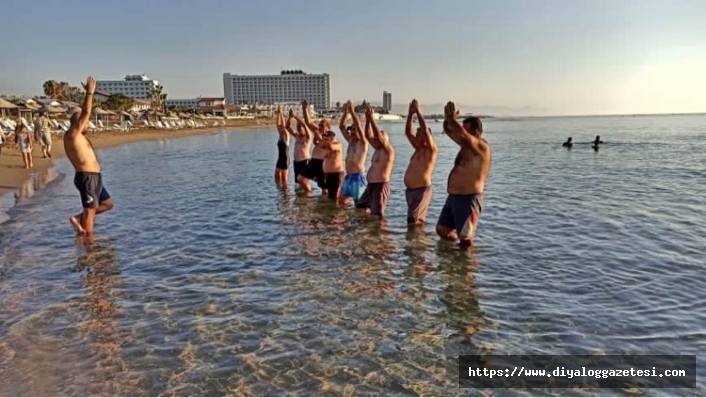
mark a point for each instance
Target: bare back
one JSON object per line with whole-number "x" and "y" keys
{"x": 469, "y": 172}
{"x": 302, "y": 146}
{"x": 80, "y": 152}
{"x": 381, "y": 165}
{"x": 333, "y": 160}
{"x": 421, "y": 166}
{"x": 356, "y": 155}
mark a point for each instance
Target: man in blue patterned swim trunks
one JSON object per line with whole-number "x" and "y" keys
{"x": 355, "y": 182}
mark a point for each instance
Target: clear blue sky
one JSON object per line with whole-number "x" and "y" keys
{"x": 518, "y": 56}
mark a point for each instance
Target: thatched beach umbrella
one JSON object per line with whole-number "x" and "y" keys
{"x": 4, "y": 105}
{"x": 51, "y": 109}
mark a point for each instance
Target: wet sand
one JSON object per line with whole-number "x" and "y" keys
{"x": 13, "y": 174}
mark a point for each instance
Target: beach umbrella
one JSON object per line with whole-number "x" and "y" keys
{"x": 4, "y": 105}
{"x": 51, "y": 109}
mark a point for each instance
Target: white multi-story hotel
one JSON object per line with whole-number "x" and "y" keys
{"x": 134, "y": 86}
{"x": 288, "y": 86}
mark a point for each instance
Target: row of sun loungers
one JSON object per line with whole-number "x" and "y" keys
{"x": 59, "y": 127}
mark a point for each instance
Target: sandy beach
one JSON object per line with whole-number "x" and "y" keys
{"x": 13, "y": 174}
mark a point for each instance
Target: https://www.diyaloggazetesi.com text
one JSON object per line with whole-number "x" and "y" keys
{"x": 586, "y": 371}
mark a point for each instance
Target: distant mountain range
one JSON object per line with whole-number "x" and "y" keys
{"x": 433, "y": 109}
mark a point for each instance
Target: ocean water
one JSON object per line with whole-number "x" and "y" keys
{"x": 207, "y": 279}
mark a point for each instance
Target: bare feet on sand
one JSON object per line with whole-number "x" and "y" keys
{"x": 76, "y": 223}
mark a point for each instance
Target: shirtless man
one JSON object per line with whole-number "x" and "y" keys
{"x": 94, "y": 198}
{"x": 459, "y": 216}
{"x": 355, "y": 181}
{"x": 315, "y": 168}
{"x": 377, "y": 192}
{"x": 417, "y": 178}
{"x": 333, "y": 164}
{"x": 302, "y": 146}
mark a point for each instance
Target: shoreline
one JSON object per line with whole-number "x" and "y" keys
{"x": 13, "y": 175}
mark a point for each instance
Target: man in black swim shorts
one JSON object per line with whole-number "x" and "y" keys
{"x": 88, "y": 180}
{"x": 466, "y": 183}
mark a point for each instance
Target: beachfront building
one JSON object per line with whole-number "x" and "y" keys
{"x": 288, "y": 86}
{"x": 133, "y": 86}
{"x": 189, "y": 103}
{"x": 387, "y": 101}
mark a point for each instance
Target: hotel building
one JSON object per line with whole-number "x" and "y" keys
{"x": 134, "y": 86}
{"x": 387, "y": 101}
{"x": 288, "y": 86}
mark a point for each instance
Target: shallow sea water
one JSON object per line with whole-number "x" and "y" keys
{"x": 207, "y": 279}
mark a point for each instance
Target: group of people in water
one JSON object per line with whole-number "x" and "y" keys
{"x": 344, "y": 178}
{"x": 594, "y": 145}
{"x": 339, "y": 178}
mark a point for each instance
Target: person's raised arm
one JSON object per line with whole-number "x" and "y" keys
{"x": 409, "y": 127}
{"x": 288, "y": 125}
{"x": 368, "y": 134}
{"x": 78, "y": 126}
{"x": 377, "y": 134}
{"x": 458, "y": 134}
{"x": 359, "y": 132}
{"x": 307, "y": 117}
{"x": 426, "y": 131}
{"x": 342, "y": 125}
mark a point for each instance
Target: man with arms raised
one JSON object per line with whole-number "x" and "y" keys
{"x": 459, "y": 216}
{"x": 417, "y": 178}
{"x": 94, "y": 198}
{"x": 377, "y": 192}
{"x": 333, "y": 164}
{"x": 302, "y": 145}
{"x": 315, "y": 168}
{"x": 355, "y": 181}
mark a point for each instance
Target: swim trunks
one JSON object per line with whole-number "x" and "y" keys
{"x": 300, "y": 166}
{"x": 418, "y": 200}
{"x": 282, "y": 157}
{"x": 332, "y": 184}
{"x": 353, "y": 186}
{"x": 375, "y": 198}
{"x": 315, "y": 171}
{"x": 461, "y": 213}
{"x": 90, "y": 186}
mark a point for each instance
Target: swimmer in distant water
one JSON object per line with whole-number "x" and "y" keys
{"x": 282, "y": 165}
{"x": 596, "y": 142}
{"x": 568, "y": 143}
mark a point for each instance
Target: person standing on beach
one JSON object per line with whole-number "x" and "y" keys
{"x": 23, "y": 139}
{"x": 88, "y": 179}
{"x": 302, "y": 146}
{"x": 315, "y": 169}
{"x": 417, "y": 178}
{"x": 355, "y": 182}
{"x": 42, "y": 131}
{"x": 377, "y": 192}
{"x": 282, "y": 165}
{"x": 459, "y": 216}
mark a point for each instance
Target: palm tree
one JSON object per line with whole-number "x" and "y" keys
{"x": 156, "y": 96}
